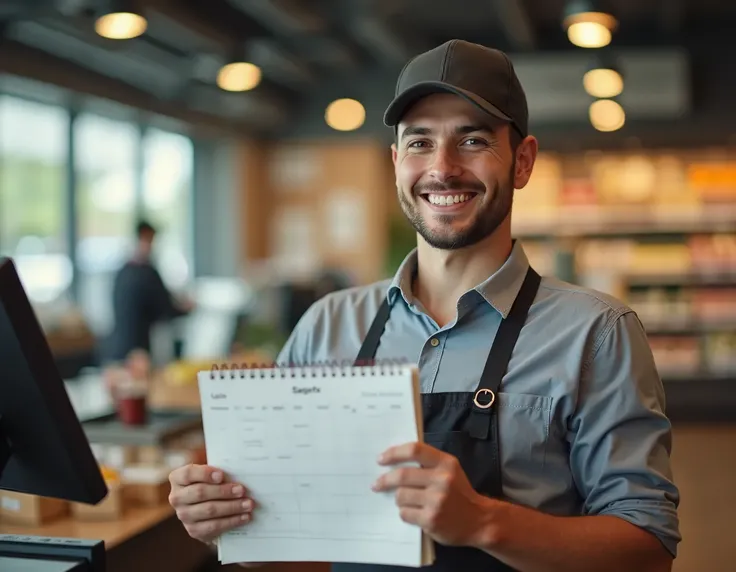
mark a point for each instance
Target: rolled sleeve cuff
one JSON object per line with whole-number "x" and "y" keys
{"x": 658, "y": 518}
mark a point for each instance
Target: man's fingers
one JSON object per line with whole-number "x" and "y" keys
{"x": 410, "y": 497}
{"x": 403, "y": 477}
{"x": 214, "y": 510}
{"x": 190, "y": 474}
{"x": 412, "y": 515}
{"x": 199, "y": 493}
{"x": 425, "y": 455}
{"x": 210, "y": 529}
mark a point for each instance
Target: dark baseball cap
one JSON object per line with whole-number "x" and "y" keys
{"x": 484, "y": 76}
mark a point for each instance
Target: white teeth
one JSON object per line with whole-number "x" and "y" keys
{"x": 448, "y": 199}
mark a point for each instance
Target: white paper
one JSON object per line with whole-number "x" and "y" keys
{"x": 306, "y": 447}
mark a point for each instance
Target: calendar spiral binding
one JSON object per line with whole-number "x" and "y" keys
{"x": 346, "y": 368}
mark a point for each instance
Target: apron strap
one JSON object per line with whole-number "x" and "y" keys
{"x": 499, "y": 357}
{"x": 368, "y": 350}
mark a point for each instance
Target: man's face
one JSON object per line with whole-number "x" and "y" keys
{"x": 454, "y": 171}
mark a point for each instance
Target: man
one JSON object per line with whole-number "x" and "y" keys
{"x": 547, "y": 448}
{"x": 140, "y": 299}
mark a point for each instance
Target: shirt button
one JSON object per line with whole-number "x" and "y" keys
{"x": 435, "y": 342}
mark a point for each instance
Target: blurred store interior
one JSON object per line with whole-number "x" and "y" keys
{"x": 250, "y": 134}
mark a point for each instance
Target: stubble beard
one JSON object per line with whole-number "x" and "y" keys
{"x": 486, "y": 220}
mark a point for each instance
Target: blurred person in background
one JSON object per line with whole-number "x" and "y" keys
{"x": 140, "y": 299}
{"x": 546, "y": 446}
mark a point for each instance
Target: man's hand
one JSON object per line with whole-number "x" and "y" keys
{"x": 206, "y": 504}
{"x": 436, "y": 496}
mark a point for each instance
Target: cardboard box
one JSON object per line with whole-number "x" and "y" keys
{"x": 147, "y": 494}
{"x": 146, "y": 485}
{"x": 30, "y": 510}
{"x": 110, "y": 508}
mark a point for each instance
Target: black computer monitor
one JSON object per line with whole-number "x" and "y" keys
{"x": 43, "y": 448}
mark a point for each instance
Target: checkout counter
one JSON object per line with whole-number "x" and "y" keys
{"x": 142, "y": 538}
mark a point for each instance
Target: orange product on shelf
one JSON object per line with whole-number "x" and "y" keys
{"x": 714, "y": 181}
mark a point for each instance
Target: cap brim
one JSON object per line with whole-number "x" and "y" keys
{"x": 406, "y": 99}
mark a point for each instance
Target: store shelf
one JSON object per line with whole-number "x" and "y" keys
{"x": 689, "y": 328}
{"x": 656, "y": 229}
{"x": 701, "y": 399}
{"x": 687, "y": 279}
{"x": 609, "y": 221}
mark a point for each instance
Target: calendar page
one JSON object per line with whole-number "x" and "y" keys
{"x": 305, "y": 443}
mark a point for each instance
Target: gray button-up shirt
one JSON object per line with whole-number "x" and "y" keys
{"x": 581, "y": 422}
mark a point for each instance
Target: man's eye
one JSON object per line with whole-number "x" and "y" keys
{"x": 417, "y": 144}
{"x": 474, "y": 141}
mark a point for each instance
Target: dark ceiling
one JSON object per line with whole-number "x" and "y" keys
{"x": 303, "y": 46}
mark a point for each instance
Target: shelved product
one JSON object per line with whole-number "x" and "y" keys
{"x": 657, "y": 229}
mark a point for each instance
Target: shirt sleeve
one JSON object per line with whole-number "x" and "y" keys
{"x": 621, "y": 443}
{"x": 298, "y": 347}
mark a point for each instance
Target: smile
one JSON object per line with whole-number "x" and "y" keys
{"x": 449, "y": 202}
{"x": 448, "y": 199}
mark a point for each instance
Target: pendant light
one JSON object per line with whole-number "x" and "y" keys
{"x": 239, "y": 73}
{"x": 606, "y": 115}
{"x": 587, "y": 26}
{"x": 119, "y": 19}
{"x": 345, "y": 114}
{"x": 603, "y": 79}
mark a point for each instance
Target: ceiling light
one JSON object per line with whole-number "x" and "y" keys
{"x": 603, "y": 82}
{"x": 345, "y": 115}
{"x": 119, "y": 20}
{"x": 588, "y": 28}
{"x": 607, "y": 115}
{"x": 239, "y": 76}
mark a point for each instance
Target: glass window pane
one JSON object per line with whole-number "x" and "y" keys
{"x": 106, "y": 202}
{"x": 33, "y": 179}
{"x": 167, "y": 200}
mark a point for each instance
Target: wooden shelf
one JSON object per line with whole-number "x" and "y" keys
{"x": 679, "y": 279}
{"x": 608, "y": 221}
{"x": 701, "y": 398}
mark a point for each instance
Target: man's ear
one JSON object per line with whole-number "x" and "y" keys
{"x": 394, "y": 153}
{"x": 526, "y": 155}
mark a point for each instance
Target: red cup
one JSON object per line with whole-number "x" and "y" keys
{"x": 132, "y": 410}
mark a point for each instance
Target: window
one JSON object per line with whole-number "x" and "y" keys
{"x": 167, "y": 202}
{"x": 106, "y": 202}
{"x": 33, "y": 179}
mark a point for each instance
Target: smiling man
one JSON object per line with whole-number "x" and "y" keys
{"x": 546, "y": 446}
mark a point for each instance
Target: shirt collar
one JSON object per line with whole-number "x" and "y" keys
{"x": 499, "y": 290}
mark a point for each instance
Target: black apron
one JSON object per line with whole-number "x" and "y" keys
{"x": 464, "y": 425}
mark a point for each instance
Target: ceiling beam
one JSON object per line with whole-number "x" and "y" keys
{"x": 516, "y": 23}
{"x": 372, "y": 24}
{"x": 23, "y": 61}
{"x": 283, "y": 16}
{"x": 185, "y": 17}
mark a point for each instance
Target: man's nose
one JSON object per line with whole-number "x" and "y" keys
{"x": 445, "y": 164}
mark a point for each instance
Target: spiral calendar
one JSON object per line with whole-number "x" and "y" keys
{"x": 305, "y": 442}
